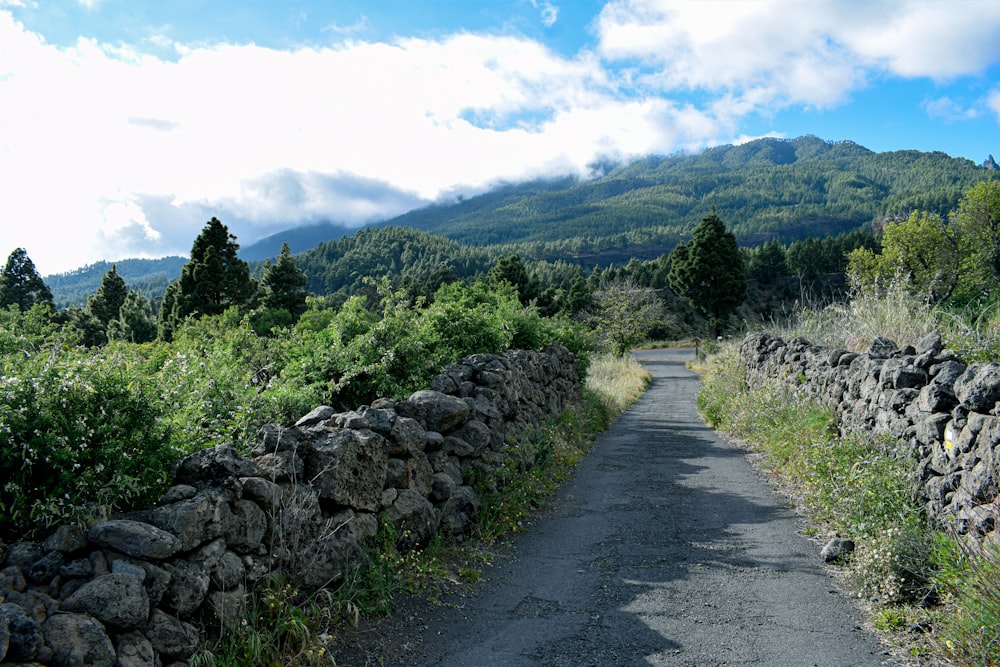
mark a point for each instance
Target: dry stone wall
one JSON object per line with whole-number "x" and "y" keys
{"x": 138, "y": 589}
{"x": 921, "y": 401}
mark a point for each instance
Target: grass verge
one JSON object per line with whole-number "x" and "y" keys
{"x": 934, "y": 595}
{"x": 854, "y": 487}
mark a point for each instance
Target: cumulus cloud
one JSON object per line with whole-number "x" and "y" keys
{"x": 949, "y": 111}
{"x": 993, "y": 102}
{"x": 142, "y": 150}
{"x": 785, "y": 52}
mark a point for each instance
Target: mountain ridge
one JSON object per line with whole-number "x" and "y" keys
{"x": 785, "y": 189}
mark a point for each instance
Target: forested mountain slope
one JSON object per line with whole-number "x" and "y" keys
{"x": 789, "y": 189}
{"x": 423, "y": 260}
{"x": 767, "y": 188}
{"x": 150, "y": 276}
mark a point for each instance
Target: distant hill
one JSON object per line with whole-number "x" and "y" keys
{"x": 299, "y": 239}
{"x": 767, "y": 188}
{"x": 150, "y": 276}
{"x": 763, "y": 189}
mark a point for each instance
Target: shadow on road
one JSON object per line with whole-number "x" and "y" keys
{"x": 664, "y": 548}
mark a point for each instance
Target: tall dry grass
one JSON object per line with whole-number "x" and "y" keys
{"x": 617, "y": 381}
{"x": 894, "y": 312}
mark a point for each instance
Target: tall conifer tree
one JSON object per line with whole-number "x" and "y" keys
{"x": 283, "y": 285}
{"x": 21, "y": 285}
{"x": 213, "y": 280}
{"x": 709, "y": 271}
{"x": 105, "y": 303}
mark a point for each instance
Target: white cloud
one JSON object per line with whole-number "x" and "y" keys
{"x": 110, "y": 149}
{"x": 788, "y": 52}
{"x": 949, "y": 111}
{"x": 924, "y": 39}
{"x": 550, "y": 12}
{"x": 993, "y": 102}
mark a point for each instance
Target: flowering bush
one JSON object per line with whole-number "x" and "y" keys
{"x": 78, "y": 435}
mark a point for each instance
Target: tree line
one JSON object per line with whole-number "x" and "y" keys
{"x": 276, "y": 294}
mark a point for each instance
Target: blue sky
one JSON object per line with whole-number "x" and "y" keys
{"x": 125, "y": 125}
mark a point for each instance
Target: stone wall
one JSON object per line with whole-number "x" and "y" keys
{"x": 135, "y": 590}
{"x": 921, "y": 401}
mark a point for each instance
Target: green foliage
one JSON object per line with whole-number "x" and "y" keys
{"x": 709, "y": 271}
{"x": 813, "y": 257}
{"x": 81, "y": 327}
{"x": 358, "y": 355}
{"x": 22, "y": 333}
{"x": 283, "y": 285}
{"x": 135, "y": 322}
{"x": 213, "y": 280}
{"x": 969, "y": 578}
{"x": 978, "y": 226}
{"x": 79, "y": 435}
{"x": 952, "y": 259}
{"x": 281, "y": 625}
{"x": 767, "y": 262}
{"x": 20, "y": 284}
{"x": 340, "y": 268}
{"x": 921, "y": 250}
{"x": 219, "y": 382}
{"x": 510, "y": 269}
{"x": 105, "y": 303}
{"x": 622, "y": 315}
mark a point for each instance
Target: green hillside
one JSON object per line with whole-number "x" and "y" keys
{"x": 764, "y": 189}
{"x": 768, "y": 188}
{"x": 150, "y": 276}
{"x": 420, "y": 258}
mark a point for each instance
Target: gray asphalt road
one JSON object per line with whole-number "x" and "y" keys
{"x": 665, "y": 548}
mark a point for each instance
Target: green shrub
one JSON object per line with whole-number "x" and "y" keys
{"x": 217, "y": 382}
{"x": 281, "y": 625}
{"x": 79, "y": 434}
{"x": 969, "y": 578}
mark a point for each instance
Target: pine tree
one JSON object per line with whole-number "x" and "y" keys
{"x": 511, "y": 269}
{"x": 768, "y": 262}
{"x": 213, "y": 280}
{"x": 109, "y": 297}
{"x": 283, "y": 285}
{"x": 20, "y": 284}
{"x": 135, "y": 322}
{"x": 709, "y": 271}
{"x": 169, "y": 314}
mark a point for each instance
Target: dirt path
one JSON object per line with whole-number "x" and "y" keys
{"x": 665, "y": 548}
